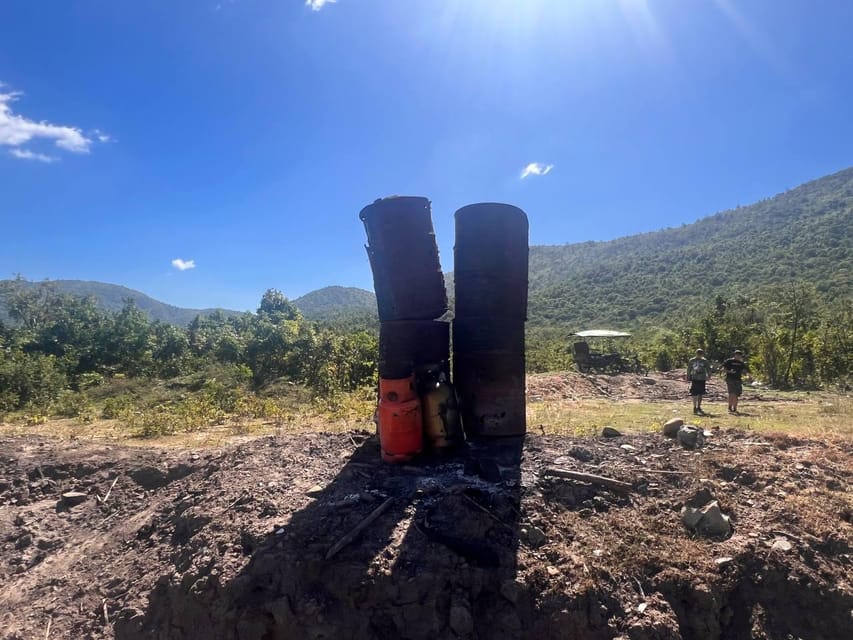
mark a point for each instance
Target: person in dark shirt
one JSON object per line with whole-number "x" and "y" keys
{"x": 734, "y": 368}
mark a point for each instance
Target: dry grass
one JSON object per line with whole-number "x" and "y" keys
{"x": 812, "y": 415}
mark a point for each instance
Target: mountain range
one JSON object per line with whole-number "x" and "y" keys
{"x": 805, "y": 233}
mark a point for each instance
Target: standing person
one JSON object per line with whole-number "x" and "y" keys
{"x": 698, "y": 371}
{"x": 734, "y": 367}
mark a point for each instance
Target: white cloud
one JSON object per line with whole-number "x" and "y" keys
{"x": 536, "y": 169}
{"x": 183, "y": 265}
{"x": 316, "y": 5}
{"x": 101, "y": 136}
{"x": 17, "y": 130}
{"x": 26, "y": 154}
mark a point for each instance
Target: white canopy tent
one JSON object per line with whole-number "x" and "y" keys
{"x": 601, "y": 333}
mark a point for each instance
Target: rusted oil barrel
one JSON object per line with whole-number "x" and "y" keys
{"x": 490, "y": 277}
{"x": 491, "y": 237}
{"x": 397, "y": 221}
{"x": 490, "y": 261}
{"x": 406, "y": 346}
{"x": 407, "y": 290}
{"x": 488, "y": 293}
{"x": 492, "y": 333}
{"x": 401, "y": 431}
{"x": 491, "y": 388}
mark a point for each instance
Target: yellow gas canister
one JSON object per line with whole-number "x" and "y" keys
{"x": 442, "y": 427}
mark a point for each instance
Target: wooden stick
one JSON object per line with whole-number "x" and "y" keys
{"x": 665, "y": 472}
{"x": 616, "y": 485}
{"x": 109, "y": 491}
{"x": 106, "y": 615}
{"x": 361, "y": 526}
{"x": 484, "y": 510}
{"x": 47, "y": 632}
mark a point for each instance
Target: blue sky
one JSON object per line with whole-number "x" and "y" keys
{"x": 242, "y": 137}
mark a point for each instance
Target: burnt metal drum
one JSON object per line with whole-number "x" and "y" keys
{"x": 408, "y": 346}
{"x": 492, "y": 237}
{"x": 407, "y": 289}
{"x": 490, "y": 333}
{"x": 486, "y": 293}
{"x": 491, "y": 388}
{"x": 397, "y": 221}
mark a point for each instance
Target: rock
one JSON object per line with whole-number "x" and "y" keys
{"x": 610, "y": 432}
{"x": 581, "y": 454}
{"x": 700, "y": 498}
{"x": 511, "y": 590}
{"x": 552, "y": 571}
{"x": 690, "y": 437}
{"x": 671, "y": 427}
{"x": 600, "y": 504}
{"x": 781, "y": 544}
{"x": 461, "y": 621}
{"x": 533, "y": 536}
{"x": 627, "y": 447}
{"x": 314, "y": 491}
{"x": 489, "y": 470}
{"x": 24, "y": 541}
{"x": 4, "y": 484}
{"x": 701, "y": 514}
{"x": 723, "y": 560}
{"x": 46, "y": 544}
{"x": 73, "y": 498}
{"x": 714, "y": 522}
{"x": 648, "y": 380}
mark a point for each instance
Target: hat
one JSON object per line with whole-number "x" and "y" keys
{"x": 738, "y": 352}
{"x": 699, "y": 351}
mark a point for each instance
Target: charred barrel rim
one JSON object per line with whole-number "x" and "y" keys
{"x": 410, "y": 204}
{"x": 492, "y": 212}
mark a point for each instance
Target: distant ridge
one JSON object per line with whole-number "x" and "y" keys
{"x": 111, "y": 297}
{"x": 337, "y": 303}
{"x": 805, "y": 233}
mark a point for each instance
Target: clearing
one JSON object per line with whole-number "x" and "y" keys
{"x": 250, "y": 539}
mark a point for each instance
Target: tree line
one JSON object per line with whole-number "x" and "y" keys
{"x": 792, "y": 335}
{"x": 57, "y": 342}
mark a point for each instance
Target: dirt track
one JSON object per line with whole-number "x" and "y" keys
{"x": 232, "y": 543}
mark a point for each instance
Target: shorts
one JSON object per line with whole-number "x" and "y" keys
{"x": 735, "y": 387}
{"x": 697, "y": 387}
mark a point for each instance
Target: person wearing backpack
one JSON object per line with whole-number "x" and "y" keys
{"x": 698, "y": 371}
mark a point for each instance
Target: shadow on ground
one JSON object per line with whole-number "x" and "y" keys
{"x": 439, "y": 558}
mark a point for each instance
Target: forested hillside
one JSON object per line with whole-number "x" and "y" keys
{"x": 112, "y": 297}
{"x": 339, "y": 305}
{"x": 803, "y": 234}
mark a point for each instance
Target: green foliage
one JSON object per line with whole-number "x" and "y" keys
{"x": 57, "y": 342}
{"x": 803, "y": 234}
{"x": 32, "y": 380}
{"x": 117, "y": 407}
{"x": 72, "y": 405}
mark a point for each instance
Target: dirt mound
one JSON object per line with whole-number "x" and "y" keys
{"x": 573, "y": 385}
{"x": 263, "y": 540}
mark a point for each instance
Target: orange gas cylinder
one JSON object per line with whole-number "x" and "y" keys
{"x": 397, "y": 390}
{"x": 400, "y": 420}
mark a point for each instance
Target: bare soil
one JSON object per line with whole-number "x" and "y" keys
{"x": 240, "y": 542}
